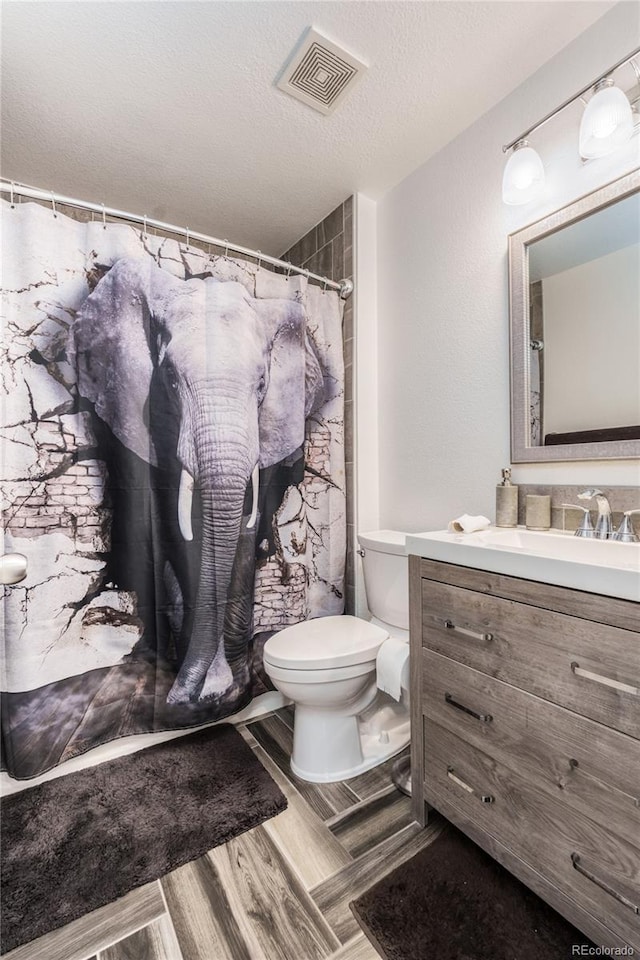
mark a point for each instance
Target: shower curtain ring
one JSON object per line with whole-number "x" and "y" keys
{"x": 104, "y": 217}
{"x": 259, "y": 252}
{"x": 226, "y": 249}
{"x": 186, "y": 230}
{"x": 289, "y": 269}
{"x": 144, "y": 227}
{"x": 324, "y": 285}
{"x": 13, "y": 206}
{"x": 53, "y": 203}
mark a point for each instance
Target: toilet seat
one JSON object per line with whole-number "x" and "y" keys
{"x": 319, "y": 675}
{"x": 324, "y": 643}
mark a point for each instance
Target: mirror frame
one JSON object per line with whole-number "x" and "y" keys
{"x": 521, "y": 449}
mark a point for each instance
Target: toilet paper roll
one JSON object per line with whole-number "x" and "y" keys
{"x": 392, "y": 667}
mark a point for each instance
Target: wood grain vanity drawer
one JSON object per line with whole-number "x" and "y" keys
{"x": 591, "y": 668}
{"x": 584, "y": 764}
{"x": 584, "y": 860}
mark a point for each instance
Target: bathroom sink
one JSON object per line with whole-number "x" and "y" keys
{"x": 597, "y": 566}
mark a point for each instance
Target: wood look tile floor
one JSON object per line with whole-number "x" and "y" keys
{"x": 278, "y": 892}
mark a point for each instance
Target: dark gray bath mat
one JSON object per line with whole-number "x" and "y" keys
{"x": 76, "y": 843}
{"x": 454, "y": 902}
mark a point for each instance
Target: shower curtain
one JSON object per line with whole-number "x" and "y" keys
{"x": 535, "y": 399}
{"x": 172, "y": 468}
{"x": 536, "y": 341}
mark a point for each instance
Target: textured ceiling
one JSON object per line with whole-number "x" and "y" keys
{"x": 171, "y": 109}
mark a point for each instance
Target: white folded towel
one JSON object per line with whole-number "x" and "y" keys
{"x": 468, "y": 524}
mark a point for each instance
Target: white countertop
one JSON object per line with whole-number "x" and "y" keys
{"x": 598, "y": 566}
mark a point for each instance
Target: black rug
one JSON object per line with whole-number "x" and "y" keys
{"x": 454, "y": 902}
{"x": 76, "y": 843}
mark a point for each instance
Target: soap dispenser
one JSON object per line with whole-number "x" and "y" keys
{"x": 506, "y": 501}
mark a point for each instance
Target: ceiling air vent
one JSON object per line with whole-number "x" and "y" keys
{"x": 320, "y": 72}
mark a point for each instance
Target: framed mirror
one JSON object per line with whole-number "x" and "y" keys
{"x": 574, "y": 304}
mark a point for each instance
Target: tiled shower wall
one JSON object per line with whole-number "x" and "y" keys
{"x": 327, "y": 250}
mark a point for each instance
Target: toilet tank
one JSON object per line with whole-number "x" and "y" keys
{"x": 386, "y": 576}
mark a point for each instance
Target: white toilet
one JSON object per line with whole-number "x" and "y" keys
{"x": 343, "y": 724}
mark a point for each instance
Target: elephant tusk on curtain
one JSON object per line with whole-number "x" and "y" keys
{"x": 185, "y": 502}
{"x": 254, "y": 506}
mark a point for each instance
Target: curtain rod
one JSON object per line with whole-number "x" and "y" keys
{"x": 345, "y": 287}
{"x": 576, "y": 96}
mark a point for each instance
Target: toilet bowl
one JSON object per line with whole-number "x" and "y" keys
{"x": 343, "y": 724}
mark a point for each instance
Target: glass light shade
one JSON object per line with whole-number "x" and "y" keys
{"x": 523, "y": 178}
{"x": 607, "y": 122}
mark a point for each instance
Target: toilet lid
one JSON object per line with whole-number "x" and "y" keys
{"x": 323, "y": 643}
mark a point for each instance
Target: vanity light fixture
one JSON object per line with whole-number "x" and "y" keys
{"x": 523, "y": 178}
{"x": 607, "y": 121}
{"x": 607, "y": 124}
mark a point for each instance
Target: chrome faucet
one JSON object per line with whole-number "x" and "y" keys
{"x": 625, "y": 532}
{"x": 586, "y": 527}
{"x": 604, "y": 525}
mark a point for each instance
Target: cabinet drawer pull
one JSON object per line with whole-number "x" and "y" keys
{"x": 484, "y": 798}
{"x": 606, "y": 681}
{"x": 485, "y": 717}
{"x": 574, "y": 765}
{"x": 450, "y": 625}
{"x": 577, "y": 865}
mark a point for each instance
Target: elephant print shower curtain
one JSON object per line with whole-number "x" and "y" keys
{"x": 172, "y": 469}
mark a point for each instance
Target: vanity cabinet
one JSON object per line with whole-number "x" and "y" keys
{"x": 526, "y": 734}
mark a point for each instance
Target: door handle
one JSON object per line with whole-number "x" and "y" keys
{"x": 13, "y": 568}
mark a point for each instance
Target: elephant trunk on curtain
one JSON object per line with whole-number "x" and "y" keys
{"x": 238, "y": 377}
